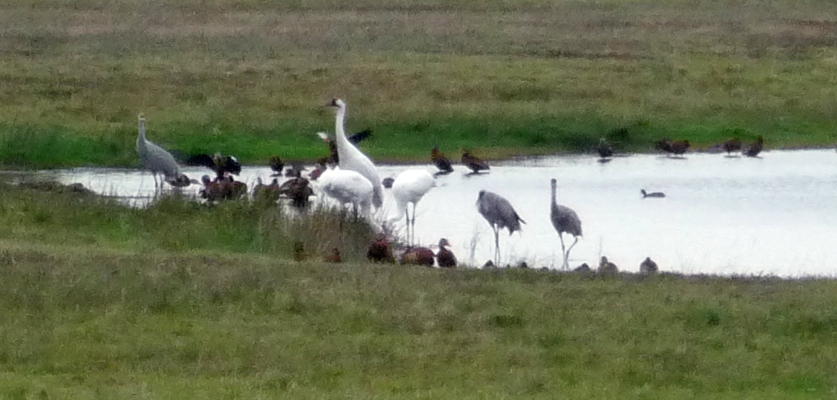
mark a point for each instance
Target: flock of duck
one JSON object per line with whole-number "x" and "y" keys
{"x": 349, "y": 177}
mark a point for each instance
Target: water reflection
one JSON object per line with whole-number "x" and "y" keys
{"x": 721, "y": 215}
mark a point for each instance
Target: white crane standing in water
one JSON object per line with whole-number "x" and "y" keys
{"x": 564, "y": 220}
{"x": 352, "y": 159}
{"x": 158, "y": 160}
{"x": 500, "y": 214}
{"x": 409, "y": 187}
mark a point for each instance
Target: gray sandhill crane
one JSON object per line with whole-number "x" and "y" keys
{"x": 652, "y": 194}
{"x": 159, "y": 161}
{"x": 500, "y": 214}
{"x": 564, "y": 220}
{"x": 754, "y": 149}
{"x": 352, "y": 159}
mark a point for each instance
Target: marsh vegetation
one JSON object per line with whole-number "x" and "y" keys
{"x": 249, "y": 78}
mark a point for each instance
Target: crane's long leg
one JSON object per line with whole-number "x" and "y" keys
{"x": 496, "y": 246}
{"x": 563, "y": 251}
{"x": 567, "y": 253}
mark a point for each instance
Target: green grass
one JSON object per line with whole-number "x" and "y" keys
{"x": 502, "y": 77}
{"x": 180, "y": 300}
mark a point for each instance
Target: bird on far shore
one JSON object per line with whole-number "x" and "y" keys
{"x": 475, "y": 164}
{"x": 441, "y": 161}
{"x": 604, "y": 149}
{"x": 675, "y": 147}
{"x": 753, "y": 149}
{"x": 731, "y": 145}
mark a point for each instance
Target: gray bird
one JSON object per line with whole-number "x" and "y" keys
{"x": 652, "y": 194}
{"x": 565, "y": 220}
{"x": 500, "y": 214}
{"x": 158, "y": 160}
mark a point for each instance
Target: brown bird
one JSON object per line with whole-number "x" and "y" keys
{"x": 266, "y": 193}
{"x": 607, "y": 268}
{"x": 299, "y": 251}
{"x": 298, "y": 190}
{"x": 276, "y": 165}
{"x": 604, "y": 149}
{"x": 418, "y": 256}
{"x": 222, "y": 189}
{"x": 473, "y": 163}
{"x": 445, "y": 257}
{"x": 441, "y": 161}
{"x": 334, "y": 257}
{"x": 754, "y": 149}
{"x": 676, "y": 147}
{"x": 380, "y": 250}
{"x": 648, "y": 266}
{"x": 733, "y": 144}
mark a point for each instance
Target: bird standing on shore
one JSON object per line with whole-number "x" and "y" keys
{"x": 473, "y": 163}
{"x": 754, "y": 149}
{"x": 500, "y": 214}
{"x": 441, "y": 162}
{"x": 564, "y": 220}
{"x": 159, "y": 161}
{"x": 445, "y": 258}
{"x": 409, "y": 187}
{"x": 351, "y": 158}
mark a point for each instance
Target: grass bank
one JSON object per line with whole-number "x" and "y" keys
{"x": 183, "y": 301}
{"x": 504, "y": 78}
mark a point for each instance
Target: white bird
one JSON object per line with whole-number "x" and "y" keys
{"x": 158, "y": 160}
{"x": 352, "y": 159}
{"x": 409, "y": 187}
{"x": 347, "y": 187}
{"x": 564, "y": 220}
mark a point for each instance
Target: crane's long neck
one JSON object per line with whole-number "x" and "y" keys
{"x": 553, "y": 194}
{"x": 141, "y": 138}
{"x": 340, "y": 133}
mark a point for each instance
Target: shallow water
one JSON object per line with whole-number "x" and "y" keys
{"x": 774, "y": 215}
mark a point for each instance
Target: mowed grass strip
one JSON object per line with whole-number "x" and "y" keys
{"x": 507, "y": 78}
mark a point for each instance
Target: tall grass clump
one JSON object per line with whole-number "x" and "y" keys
{"x": 53, "y": 213}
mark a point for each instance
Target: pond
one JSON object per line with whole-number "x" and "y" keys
{"x": 772, "y": 215}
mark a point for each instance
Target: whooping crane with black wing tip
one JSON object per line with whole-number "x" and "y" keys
{"x": 352, "y": 159}
{"x": 409, "y": 187}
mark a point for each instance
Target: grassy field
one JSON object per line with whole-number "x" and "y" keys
{"x": 249, "y": 77}
{"x": 180, "y": 300}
